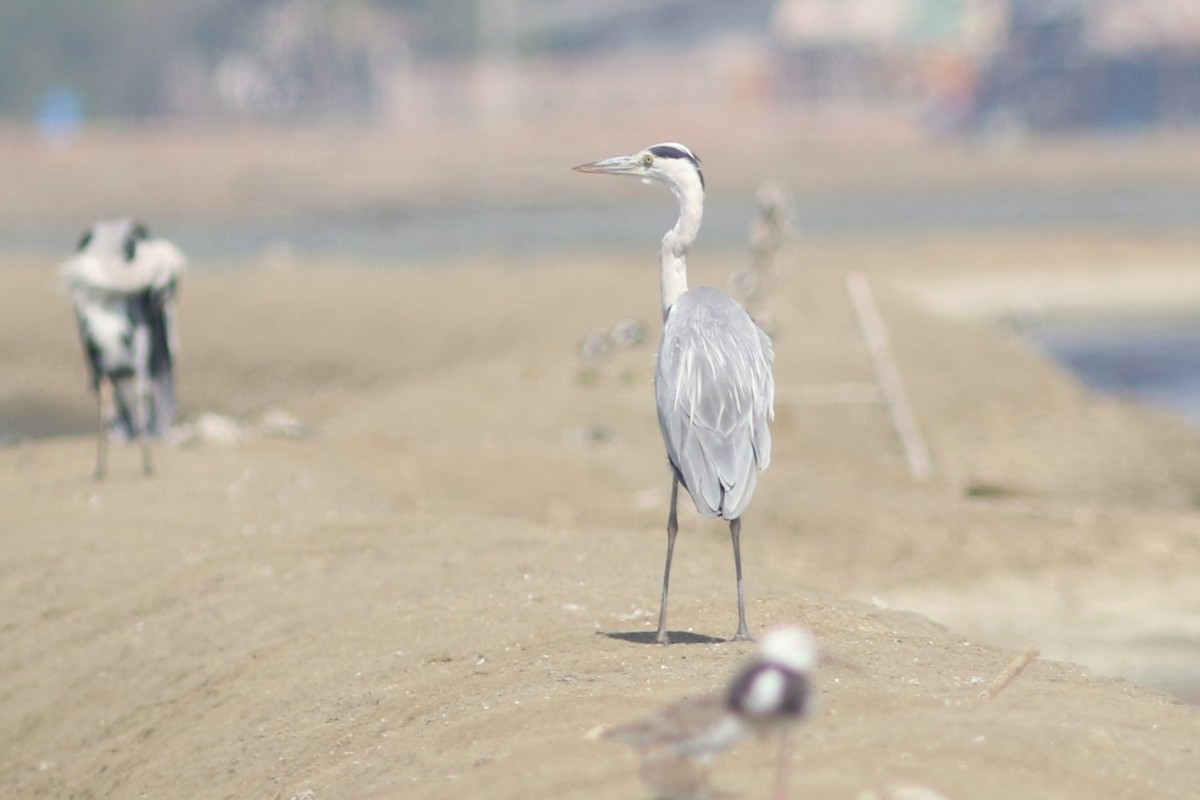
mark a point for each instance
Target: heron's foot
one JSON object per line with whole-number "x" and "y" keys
{"x": 662, "y": 637}
{"x": 743, "y": 635}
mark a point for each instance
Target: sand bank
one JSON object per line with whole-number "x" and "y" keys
{"x": 445, "y": 587}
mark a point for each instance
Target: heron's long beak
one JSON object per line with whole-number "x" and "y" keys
{"x": 617, "y": 165}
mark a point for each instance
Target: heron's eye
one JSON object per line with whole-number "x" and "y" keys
{"x": 647, "y": 160}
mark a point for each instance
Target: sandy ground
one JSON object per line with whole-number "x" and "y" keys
{"x": 453, "y": 580}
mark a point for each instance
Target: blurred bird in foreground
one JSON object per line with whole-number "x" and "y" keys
{"x": 123, "y": 283}
{"x": 770, "y": 693}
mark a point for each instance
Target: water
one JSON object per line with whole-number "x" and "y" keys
{"x": 405, "y": 236}
{"x": 1157, "y": 363}
{"x": 419, "y": 236}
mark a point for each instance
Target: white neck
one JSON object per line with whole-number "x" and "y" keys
{"x": 677, "y": 241}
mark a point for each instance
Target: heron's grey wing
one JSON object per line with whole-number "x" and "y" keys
{"x": 90, "y": 349}
{"x": 715, "y": 392}
{"x": 764, "y": 402}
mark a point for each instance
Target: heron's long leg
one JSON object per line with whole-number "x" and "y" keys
{"x": 101, "y": 436}
{"x": 672, "y": 529}
{"x": 147, "y": 455}
{"x": 735, "y": 533}
{"x": 143, "y": 423}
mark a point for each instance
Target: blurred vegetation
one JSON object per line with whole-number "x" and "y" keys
{"x": 124, "y": 58}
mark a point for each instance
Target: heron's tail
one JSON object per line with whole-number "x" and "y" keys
{"x": 124, "y": 421}
{"x": 162, "y": 403}
{"x": 160, "y": 411}
{"x": 160, "y": 318}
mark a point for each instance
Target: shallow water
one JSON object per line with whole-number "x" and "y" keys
{"x": 406, "y": 236}
{"x": 1157, "y": 363}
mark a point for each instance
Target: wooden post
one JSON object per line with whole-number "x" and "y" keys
{"x": 888, "y": 374}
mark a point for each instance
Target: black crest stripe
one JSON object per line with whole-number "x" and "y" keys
{"x": 669, "y": 151}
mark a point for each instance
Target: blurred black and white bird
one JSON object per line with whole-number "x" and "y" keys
{"x": 713, "y": 383}
{"x": 123, "y": 285}
{"x": 769, "y": 694}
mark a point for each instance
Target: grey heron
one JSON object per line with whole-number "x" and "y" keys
{"x": 713, "y": 382}
{"x": 769, "y": 694}
{"x": 122, "y": 284}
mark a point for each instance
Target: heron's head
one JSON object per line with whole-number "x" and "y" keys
{"x": 669, "y": 162}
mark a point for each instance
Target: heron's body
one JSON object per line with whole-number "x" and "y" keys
{"x": 713, "y": 386}
{"x": 713, "y": 383}
{"x": 123, "y": 285}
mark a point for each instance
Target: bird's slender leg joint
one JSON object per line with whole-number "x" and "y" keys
{"x": 101, "y": 437}
{"x": 735, "y": 533}
{"x": 672, "y": 529}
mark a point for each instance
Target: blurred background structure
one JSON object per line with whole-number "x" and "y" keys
{"x": 998, "y": 66}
